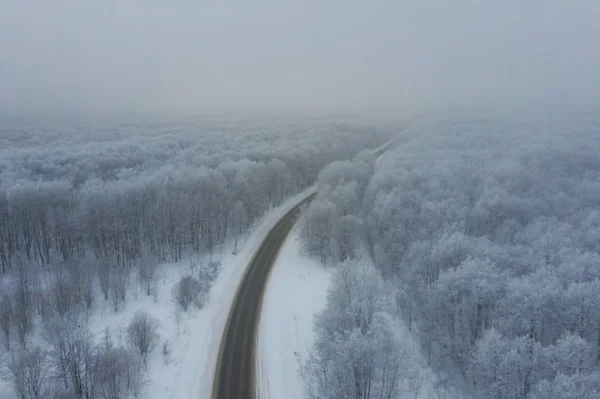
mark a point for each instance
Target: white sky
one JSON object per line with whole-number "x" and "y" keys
{"x": 273, "y": 56}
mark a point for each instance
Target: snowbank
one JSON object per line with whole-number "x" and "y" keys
{"x": 296, "y": 291}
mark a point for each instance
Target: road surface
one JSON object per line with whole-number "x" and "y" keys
{"x": 235, "y": 374}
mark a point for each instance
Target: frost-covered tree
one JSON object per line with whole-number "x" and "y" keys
{"x": 356, "y": 353}
{"x": 117, "y": 372}
{"x": 239, "y": 222}
{"x": 190, "y": 290}
{"x": 29, "y": 374}
{"x": 6, "y": 318}
{"x": 147, "y": 271}
{"x": 142, "y": 334}
{"x": 318, "y": 227}
{"x": 575, "y": 386}
{"x": 71, "y": 354}
{"x": 488, "y": 232}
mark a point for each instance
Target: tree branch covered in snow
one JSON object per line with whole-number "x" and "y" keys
{"x": 357, "y": 353}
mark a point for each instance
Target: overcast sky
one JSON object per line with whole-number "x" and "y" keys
{"x": 277, "y": 55}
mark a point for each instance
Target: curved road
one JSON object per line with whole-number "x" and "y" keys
{"x": 235, "y": 375}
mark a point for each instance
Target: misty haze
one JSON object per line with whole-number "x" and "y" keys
{"x": 300, "y": 200}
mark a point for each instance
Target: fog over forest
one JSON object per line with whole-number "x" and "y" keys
{"x": 68, "y": 57}
{"x": 443, "y": 157}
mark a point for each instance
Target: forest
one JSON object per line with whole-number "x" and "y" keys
{"x": 485, "y": 233}
{"x": 88, "y": 212}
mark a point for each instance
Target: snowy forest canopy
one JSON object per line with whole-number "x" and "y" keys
{"x": 116, "y": 190}
{"x": 488, "y": 232}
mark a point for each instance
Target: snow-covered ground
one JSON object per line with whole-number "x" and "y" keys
{"x": 296, "y": 291}
{"x": 194, "y": 337}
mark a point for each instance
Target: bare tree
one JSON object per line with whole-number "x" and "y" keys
{"x": 118, "y": 287}
{"x": 28, "y": 373}
{"x": 189, "y": 290}
{"x": 114, "y": 367}
{"x": 23, "y": 301}
{"x": 6, "y": 318}
{"x": 104, "y": 272}
{"x": 147, "y": 271}
{"x": 56, "y": 334}
{"x": 72, "y": 353}
{"x": 166, "y": 350}
{"x": 142, "y": 334}
{"x": 81, "y": 276}
{"x": 134, "y": 374}
{"x": 17, "y": 376}
{"x": 62, "y": 296}
{"x": 208, "y": 274}
{"x": 22, "y": 315}
{"x": 238, "y": 221}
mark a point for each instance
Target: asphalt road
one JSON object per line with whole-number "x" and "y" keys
{"x": 235, "y": 374}
{"x": 382, "y": 150}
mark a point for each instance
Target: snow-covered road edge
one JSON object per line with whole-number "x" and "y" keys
{"x": 295, "y": 293}
{"x": 223, "y": 293}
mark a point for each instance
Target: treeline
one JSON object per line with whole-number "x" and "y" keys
{"x": 116, "y": 199}
{"x": 169, "y": 213}
{"x": 489, "y": 232}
